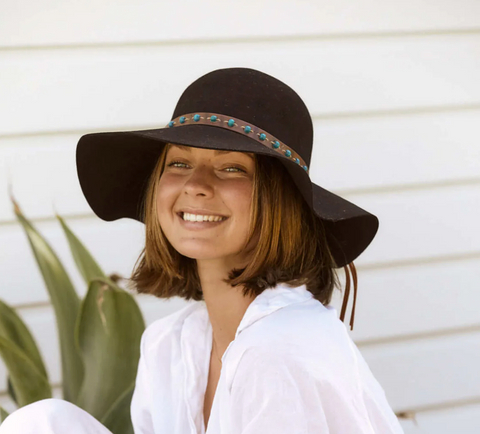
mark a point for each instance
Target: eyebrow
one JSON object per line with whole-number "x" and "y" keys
{"x": 217, "y": 152}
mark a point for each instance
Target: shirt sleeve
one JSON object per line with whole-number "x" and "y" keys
{"x": 140, "y": 407}
{"x": 274, "y": 393}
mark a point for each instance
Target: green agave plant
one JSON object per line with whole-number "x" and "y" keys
{"x": 99, "y": 337}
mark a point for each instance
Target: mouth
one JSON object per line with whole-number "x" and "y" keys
{"x": 213, "y": 219}
{"x": 199, "y": 226}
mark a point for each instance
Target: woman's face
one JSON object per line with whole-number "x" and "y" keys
{"x": 206, "y": 182}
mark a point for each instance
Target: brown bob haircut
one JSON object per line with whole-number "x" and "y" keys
{"x": 292, "y": 246}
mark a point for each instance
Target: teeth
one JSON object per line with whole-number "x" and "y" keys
{"x": 201, "y": 218}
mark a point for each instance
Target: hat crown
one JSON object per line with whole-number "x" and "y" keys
{"x": 254, "y": 97}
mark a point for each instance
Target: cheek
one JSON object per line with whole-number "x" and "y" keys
{"x": 239, "y": 198}
{"x": 166, "y": 194}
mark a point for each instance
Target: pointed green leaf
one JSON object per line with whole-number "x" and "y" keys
{"x": 109, "y": 329}
{"x": 14, "y": 329}
{"x": 66, "y": 304}
{"x": 10, "y": 390}
{"x": 3, "y": 414}
{"x": 118, "y": 419}
{"x": 28, "y": 382}
{"x": 88, "y": 267}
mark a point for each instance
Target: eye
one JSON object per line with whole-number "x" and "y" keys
{"x": 175, "y": 162}
{"x": 179, "y": 162}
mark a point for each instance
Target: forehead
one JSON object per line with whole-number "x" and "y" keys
{"x": 217, "y": 151}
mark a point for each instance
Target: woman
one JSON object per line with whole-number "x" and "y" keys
{"x": 234, "y": 222}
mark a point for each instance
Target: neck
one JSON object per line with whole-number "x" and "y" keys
{"x": 226, "y": 305}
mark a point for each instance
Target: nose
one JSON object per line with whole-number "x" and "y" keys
{"x": 200, "y": 181}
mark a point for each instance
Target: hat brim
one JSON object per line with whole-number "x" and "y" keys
{"x": 349, "y": 228}
{"x": 114, "y": 167}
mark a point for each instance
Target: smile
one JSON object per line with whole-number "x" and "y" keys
{"x": 199, "y": 225}
{"x": 201, "y": 218}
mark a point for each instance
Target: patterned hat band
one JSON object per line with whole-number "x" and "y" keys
{"x": 240, "y": 126}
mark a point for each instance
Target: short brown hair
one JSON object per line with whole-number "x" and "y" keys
{"x": 292, "y": 247}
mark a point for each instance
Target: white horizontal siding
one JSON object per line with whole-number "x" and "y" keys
{"x": 418, "y": 373}
{"x": 87, "y": 22}
{"x": 395, "y": 97}
{"x": 399, "y": 297}
{"x": 98, "y": 88}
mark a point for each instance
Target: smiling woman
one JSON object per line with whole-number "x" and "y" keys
{"x": 234, "y": 224}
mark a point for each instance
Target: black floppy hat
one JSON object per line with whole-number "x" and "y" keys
{"x": 238, "y": 109}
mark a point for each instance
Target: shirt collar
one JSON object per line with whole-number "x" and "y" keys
{"x": 269, "y": 301}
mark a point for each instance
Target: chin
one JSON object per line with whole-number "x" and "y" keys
{"x": 200, "y": 253}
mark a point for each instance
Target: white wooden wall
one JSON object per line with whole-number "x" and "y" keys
{"x": 394, "y": 91}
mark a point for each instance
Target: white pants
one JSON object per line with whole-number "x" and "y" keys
{"x": 51, "y": 416}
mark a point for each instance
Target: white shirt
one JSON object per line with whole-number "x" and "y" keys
{"x": 292, "y": 368}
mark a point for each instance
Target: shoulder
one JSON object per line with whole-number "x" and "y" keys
{"x": 286, "y": 322}
{"x": 305, "y": 330}
{"x": 307, "y": 338}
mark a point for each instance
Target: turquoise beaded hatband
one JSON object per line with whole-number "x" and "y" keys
{"x": 240, "y": 126}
